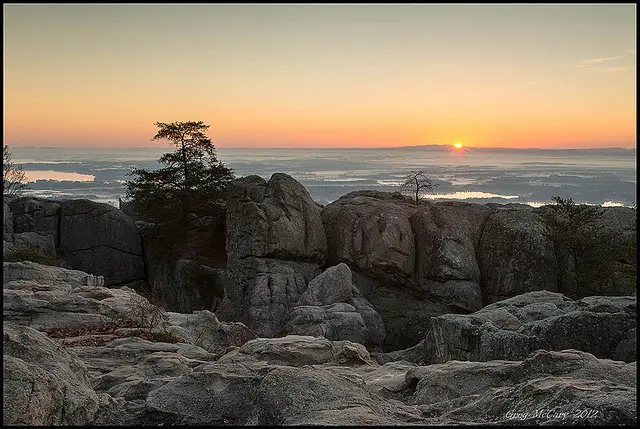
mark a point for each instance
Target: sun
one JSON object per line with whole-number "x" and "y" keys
{"x": 457, "y": 145}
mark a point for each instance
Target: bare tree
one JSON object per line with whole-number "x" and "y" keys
{"x": 416, "y": 182}
{"x": 14, "y": 180}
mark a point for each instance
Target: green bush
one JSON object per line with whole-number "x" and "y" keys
{"x": 33, "y": 254}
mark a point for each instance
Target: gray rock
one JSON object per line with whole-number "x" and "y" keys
{"x": 265, "y": 221}
{"x": 332, "y": 286}
{"x": 275, "y": 219}
{"x": 512, "y": 328}
{"x": 405, "y": 314}
{"x": 32, "y": 240}
{"x": 262, "y": 292}
{"x": 43, "y": 384}
{"x": 329, "y": 308}
{"x": 335, "y": 322}
{"x": 289, "y": 396}
{"x": 203, "y": 329}
{"x": 371, "y": 231}
{"x": 100, "y": 239}
{"x": 211, "y": 395}
{"x": 456, "y": 392}
{"x": 54, "y": 277}
{"x": 372, "y": 320}
{"x": 514, "y": 255}
{"x": 36, "y": 215}
{"x": 447, "y": 236}
{"x": 297, "y": 350}
{"x": 464, "y": 295}
{"x": 626, "y": 348}
{"x": 454, "y": 379}
{"x": 601, "y": 403}
{"x": 7, "y": 217}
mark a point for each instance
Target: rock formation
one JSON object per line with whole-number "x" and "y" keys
{"x": 89, "y": 236}
{"x": 275, "y": 246}
{"x": 83, "y": 371}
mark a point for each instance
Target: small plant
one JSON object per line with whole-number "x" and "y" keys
{"x": 416, "y": 182}
{"x": 33, "y": 254}
{"x": 14, "y": 180}
{"x": 143, "y": 313}
{"x": 594, "y": 258}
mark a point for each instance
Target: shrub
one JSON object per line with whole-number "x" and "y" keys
{"x": 34, "y": 254}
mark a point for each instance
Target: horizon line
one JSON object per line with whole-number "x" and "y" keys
{"x": 347, "y": 148}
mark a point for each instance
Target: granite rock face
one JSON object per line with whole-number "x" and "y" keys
{"x": 275, "y": 219}
{"x": 514, "y": 255}
{"x": 42, "y": 383}
{"x": 447, "y": 237}
{"x": 371, "y": 231}
{"x": 100, "y": 239}
{"x": 275, "y": 246}
{"x": 512, "y": 328}
{"x": 88, "y": 236}
{"x": 565, "y": 387}
{"x": 217, "y": 373}
{"x": 332, "y": 307}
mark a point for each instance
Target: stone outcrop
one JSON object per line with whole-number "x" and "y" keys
{"x": 275, "y": 219}
{"x": 545, "y": 387}
{"x": 88, "y": 236}
{"x": 514, "y": 255}
{"x": 371, "y": 231}
{"x": 215, "y": 373}
{"x": 275, "y": 246}
{"x": 513, "y": 328}
{"x": 332, "y": 307}
{"x": 33, "y": 240}
{"x": 42, "y": 383}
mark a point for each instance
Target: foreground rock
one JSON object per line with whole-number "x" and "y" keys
{"x": 93, "y": 237}
{"x": 192, "y": 369}
{"x": 566, "y": 387}
{"x": 513, "y": 328}
{"x": 42, "y": 383}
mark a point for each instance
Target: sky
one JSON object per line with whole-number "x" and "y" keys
{"x": 322, "y": 75}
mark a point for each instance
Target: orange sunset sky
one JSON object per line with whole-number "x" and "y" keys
{"x": 322, "y": 75}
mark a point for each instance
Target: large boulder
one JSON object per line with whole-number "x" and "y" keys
{"x": 447, "y": 236}
{"x": 42, "y": 383}
{"x": 29, "y": 240}
{"x": 275, "y": 219}
{"x": 203, "y": 329}
{"x": 545, "y": 387}
{"x": 89, "y": 236}
{"x": 261, "y": 292}
{"x": 332, "y": 307}
{"x": 299, "y": 350}
{"x": 514, "y": 255}
{"x": 36, "y": 215}
{"x": 371, "y": 231}
{"x": 332, "y": 286}
{"x": 275, "y": 244}
{"x": 100, "y": 239}
{"x": 312, "y": 396}
{"x": 512, "y": 328}
{"x": 338, "y": 321}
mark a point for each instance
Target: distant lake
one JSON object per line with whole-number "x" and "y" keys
{"x": 530, "y": 176}
{"x": 33, "y": 175}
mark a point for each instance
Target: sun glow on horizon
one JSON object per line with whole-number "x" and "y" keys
{"x": 457, "y": 145}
